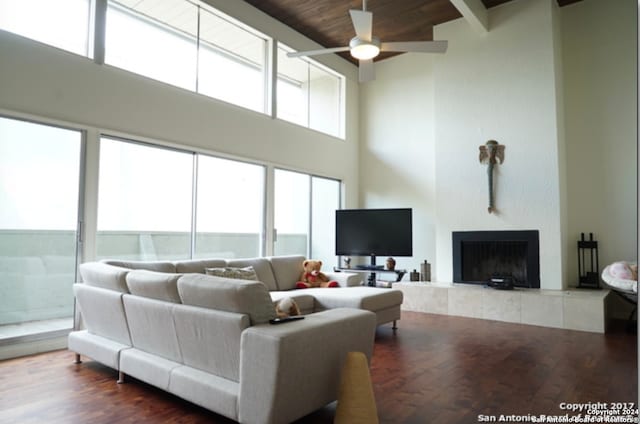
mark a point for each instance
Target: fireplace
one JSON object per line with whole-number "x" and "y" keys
{"x": 480, "y": 255}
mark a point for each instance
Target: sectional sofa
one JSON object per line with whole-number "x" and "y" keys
{"x": 208, "y": 339}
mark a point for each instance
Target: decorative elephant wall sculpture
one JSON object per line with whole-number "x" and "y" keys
{"x": 490, "y": 154}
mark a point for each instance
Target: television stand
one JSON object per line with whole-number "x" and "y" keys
{"x": 371, "y": 279}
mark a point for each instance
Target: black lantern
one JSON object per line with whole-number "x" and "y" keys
{"x": 588, "y": 275}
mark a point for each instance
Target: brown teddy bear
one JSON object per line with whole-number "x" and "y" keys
{"x": 313, "y": 277}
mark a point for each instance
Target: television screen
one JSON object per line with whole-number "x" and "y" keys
{"x": 374, "y": 232}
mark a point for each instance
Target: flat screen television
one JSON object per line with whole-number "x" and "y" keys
{"x": 374, "y": 232}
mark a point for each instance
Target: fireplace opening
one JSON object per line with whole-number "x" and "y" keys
{"x": 480, "y": 255}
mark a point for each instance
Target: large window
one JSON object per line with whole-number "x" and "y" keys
{"x": 62, "y": 24}
{"x": 156, "y": 40}
{"x": 39, "y": 186}
{"x": 191, "y": 45}
{"x": 304, "y": 215}
{"x": 144, "y": 202}
{"x": 230, "y": 208}
{"x": 309, "y": 94}
{"x": 231, "y": 62}
{"x": 183, "y": 44}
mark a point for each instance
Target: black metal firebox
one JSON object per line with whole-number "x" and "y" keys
{"x": 480, "y": 255}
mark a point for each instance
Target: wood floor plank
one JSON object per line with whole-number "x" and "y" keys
{"x": 435, "y": 369}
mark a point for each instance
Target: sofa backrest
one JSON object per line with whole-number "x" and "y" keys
{"x": 106, "y": 276}
{"x": 151, "y": 326}
{"x": 154, "y": 285}
{"x": 225, "y": 294}
{"x": 210, "y": 339}
{"x": 287, "y": 270}
{"x": 262, "y": 268}
{"x": 103, "y": 312}
{"x": 158, "y": 266}
{"x": 198, "y": 266}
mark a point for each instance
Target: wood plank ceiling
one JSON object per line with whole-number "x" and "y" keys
{"x": 327, "y": 22}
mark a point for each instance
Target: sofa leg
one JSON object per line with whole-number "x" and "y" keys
{"x": 77, "y": 360}
{"x": 120, "y": 377}
{"x": 394, "y": 327}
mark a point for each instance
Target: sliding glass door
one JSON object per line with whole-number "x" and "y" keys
{"x": 304, "y": 215}
{"x": 40, "y": 171}
{"x": 230, "y": 208}
{"x": 144, "y": 202}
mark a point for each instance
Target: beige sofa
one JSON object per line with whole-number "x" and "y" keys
{"x": 208, "y": 339}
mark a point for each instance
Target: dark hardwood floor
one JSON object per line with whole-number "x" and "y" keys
{"x": 436, "y": 369}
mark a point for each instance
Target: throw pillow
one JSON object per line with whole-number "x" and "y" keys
{"x": 247, "y": 273}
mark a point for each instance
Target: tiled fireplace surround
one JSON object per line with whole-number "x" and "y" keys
{"x": 574, "y": 309}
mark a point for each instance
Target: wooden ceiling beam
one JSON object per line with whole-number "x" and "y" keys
{"x": 474, "y": 12}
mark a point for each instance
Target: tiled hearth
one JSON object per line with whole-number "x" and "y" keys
{"x": 570, "y": 309}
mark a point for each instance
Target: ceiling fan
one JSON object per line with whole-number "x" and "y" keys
{"x": 365, "y": 46}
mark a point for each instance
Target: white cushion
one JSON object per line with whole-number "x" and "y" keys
{"x": 103, "y": 312}
{"x": 151, "y": 326}
{"x": 155, "y": 285}
{"x": 287, "y": 270}
{"x": 240, "y": 296}
{"x": 110, "y": 277}
{"x": 210, "y": 339}
{"x": 262, "y": 267}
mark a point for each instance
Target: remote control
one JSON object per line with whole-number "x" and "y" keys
{"x": 285, "y": 319}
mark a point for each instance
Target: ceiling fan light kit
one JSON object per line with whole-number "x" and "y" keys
{"x": 365, "y": 46}
{"x": 363, "y": 50}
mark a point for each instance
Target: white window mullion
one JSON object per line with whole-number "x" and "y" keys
{"x": 271, "y": 79}
{"x": 99, "y": 24}
{"x": 90, "y": 210}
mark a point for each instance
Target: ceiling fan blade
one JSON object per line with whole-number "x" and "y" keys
{"x": 438, "y": 46}
{"x": 362, "y": 23}
{"x": 366, "y": 71}
{"x": 317, "y": 52}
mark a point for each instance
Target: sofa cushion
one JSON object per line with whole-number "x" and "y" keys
{"x": 262, "y": 267}
{"x": 287, "y": 270}
{"x": 103, "y": 312}
{"x": 210, "y": 339}
{"x": 368, "y": 298}
{"x": 148, "y": 265}
{"x": 155, "y": 285}
{"x": 152, "y": 327}
{"x": 198, "y": 266}
{"x": 100, "y": 274}
{"x": 246, "y": 273}
{"x": 225, "y": 294}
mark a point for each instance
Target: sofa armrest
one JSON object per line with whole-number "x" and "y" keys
{"x": 291, "y": 369}
{"x": 345, "y": 279}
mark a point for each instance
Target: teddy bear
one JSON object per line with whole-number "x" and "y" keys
{"x": 287, "y": 307}
{"x": 312, "y": 276}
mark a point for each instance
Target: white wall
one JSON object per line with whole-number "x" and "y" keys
{"x": 600, "y": 61}
{"x": 430, "y": 113}
{"x": 398, "y": 146}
